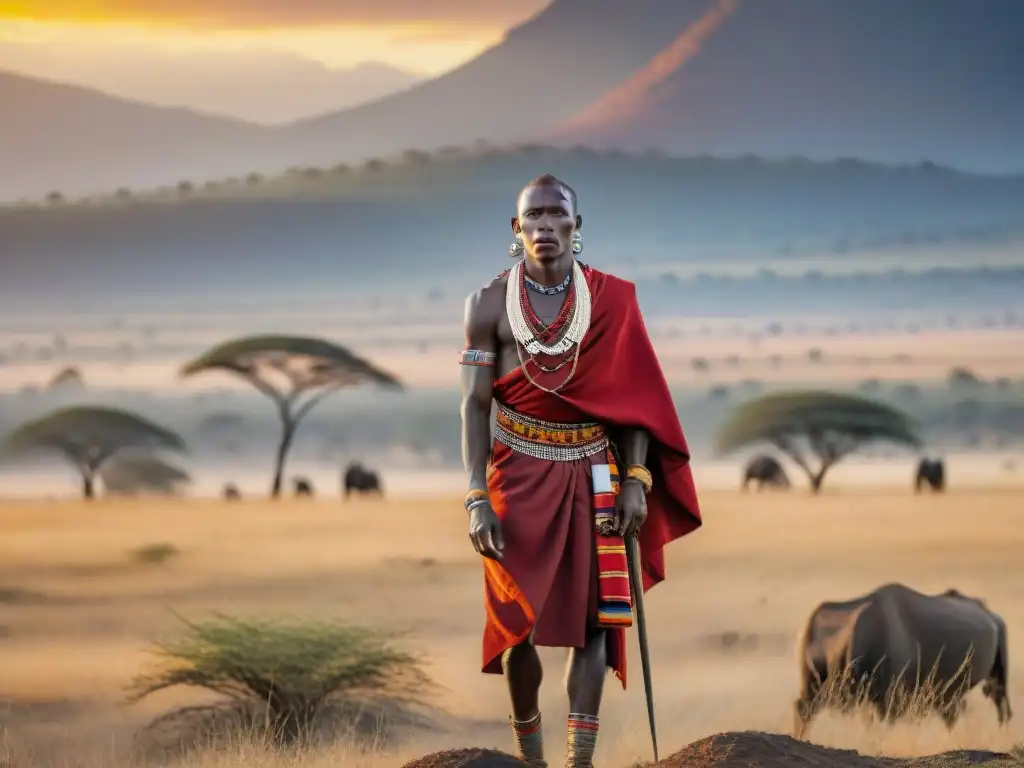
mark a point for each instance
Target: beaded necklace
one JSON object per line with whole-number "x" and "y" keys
{"x": 534, "y": 337}
{"x": 576, "y": 327}
{"x": 547, "y": 290}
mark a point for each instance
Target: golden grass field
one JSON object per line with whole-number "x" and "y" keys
{"x": 77, "y": 612}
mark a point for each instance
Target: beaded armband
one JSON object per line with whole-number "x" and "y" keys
{"x": 641, "y": 474}
{"x": 474, "y": 497}
{"x": 477, "y": 357}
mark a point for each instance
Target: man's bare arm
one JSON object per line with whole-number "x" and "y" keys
{"x": 478, "y": 361}
{"x": 633, "y": 446}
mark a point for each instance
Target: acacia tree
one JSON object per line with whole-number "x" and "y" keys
{"x": 135, "y": 474}
{"x": 831, "y": 425}
{"x": 296, "y": 373}
{"x": 88, "y": 436}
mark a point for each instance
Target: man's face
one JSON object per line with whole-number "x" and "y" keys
{"x": 546, "y": 220}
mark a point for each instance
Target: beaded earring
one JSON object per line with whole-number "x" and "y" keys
{"x": 577, "y": 242}
{"x": 516, "y": 249}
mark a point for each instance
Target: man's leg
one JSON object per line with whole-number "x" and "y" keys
{"x": 585, "y": 684}
{"x": 524, "y": 673}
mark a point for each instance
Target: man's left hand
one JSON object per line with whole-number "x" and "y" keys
{"x": 631, "y": 506}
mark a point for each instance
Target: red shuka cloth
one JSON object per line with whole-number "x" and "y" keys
{"x": 546, "y": 583}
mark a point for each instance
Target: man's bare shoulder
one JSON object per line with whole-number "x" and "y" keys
{"x": 484, "y": 306}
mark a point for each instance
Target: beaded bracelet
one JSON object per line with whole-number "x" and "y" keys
{"x": 475, "y": 495}
{"x": 476, "y": 503}
{"x": 642, "y": 475}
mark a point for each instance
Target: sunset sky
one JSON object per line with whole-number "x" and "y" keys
{"x": 266, "y": 61}
{"x": 428, "y": 36}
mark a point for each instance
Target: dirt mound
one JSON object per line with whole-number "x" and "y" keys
{"x": 739, "y": 750}
{"x": 767, "y": 750}
{"x": 467, "y": 758}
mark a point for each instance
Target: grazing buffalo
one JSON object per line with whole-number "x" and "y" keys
{"x": 932, "y": 472}
{"x": 359, "y": 478}
{"x": 765, "y": 470}
{"x": 894, "y": 643}
{"x": 302, "y": 486}
{"x": 231, "y": 492}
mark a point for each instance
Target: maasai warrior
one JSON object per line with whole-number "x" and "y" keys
{"x": 587, "y": 451}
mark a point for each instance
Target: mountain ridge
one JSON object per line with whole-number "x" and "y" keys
{"x": 750, "y": 84}
{"x": 875, "y": 80}
{"x": 43, "y": 136}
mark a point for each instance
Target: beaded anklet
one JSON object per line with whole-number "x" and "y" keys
{"x": 582, "y": 740}
{"x": 529, "y": 740}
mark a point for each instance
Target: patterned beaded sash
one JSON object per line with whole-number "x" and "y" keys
{"x": 614, "y": 598}
{"x": 548, "y": 440}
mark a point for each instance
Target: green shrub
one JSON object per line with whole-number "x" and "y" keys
{"x": 281, "y": 676}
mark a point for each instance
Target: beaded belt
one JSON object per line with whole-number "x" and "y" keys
{"x": 549, "y": 440}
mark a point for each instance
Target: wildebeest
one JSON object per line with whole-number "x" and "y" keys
{"x": 765, "y": 470}
{"x": 932, "y": 472}
{"x": 359, "y": 478}
{"x": 231, "y": 492}
{"x": 886, "y": 646}
{"x": 302, "y": 486}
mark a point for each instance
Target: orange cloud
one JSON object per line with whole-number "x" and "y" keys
{"x": 274, "y": 13}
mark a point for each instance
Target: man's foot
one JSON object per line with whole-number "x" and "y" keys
{"x": 529, "y": 740}
{"x": 582, "y": 739}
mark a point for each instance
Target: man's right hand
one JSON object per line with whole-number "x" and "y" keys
{"x": 485, "y": 532}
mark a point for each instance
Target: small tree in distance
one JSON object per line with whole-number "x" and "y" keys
{"x": 130, "y": 474}
{"x": 832, "y": 425}
{"x": 88, "y": 436}
{"x": 296, "y": 373}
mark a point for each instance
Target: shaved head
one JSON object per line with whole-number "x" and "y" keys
{"x": 547, "y": 181}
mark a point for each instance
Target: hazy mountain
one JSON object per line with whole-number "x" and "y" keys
{"x": 255, "y": 85}
{"x": 444, "y": 224}
{"x": 887, "y": 80}
{"x": 582, "y": 47}
{"x": 73, "y": 139}
{"x": 892, "y": 80}
{"x": 545, "y": 70}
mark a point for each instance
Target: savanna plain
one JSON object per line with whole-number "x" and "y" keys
{"x": 80, "y": 610}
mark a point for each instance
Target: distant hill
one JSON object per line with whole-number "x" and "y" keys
{"x": 442, "y": 220}
{"x": 258, "y": 85}
{"x": 882, "y": 80}
{"x": 64, "y": 137}
{"x": 545, "y": 70}
{"x": 896, "y": 82}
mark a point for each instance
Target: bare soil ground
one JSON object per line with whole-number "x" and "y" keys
{"x": 748, "y": 749}
{"x": 79, "y": 608}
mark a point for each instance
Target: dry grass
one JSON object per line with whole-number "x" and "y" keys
{"x": 78, "y": 609}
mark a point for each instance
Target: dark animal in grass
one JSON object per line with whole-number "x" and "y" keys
{"x": 231, "y": 493}
{"x": 884, "y": 647}
{"x": 359, "y": 479}
{"x": 930, "y": 472}
{"x": 302, "y": 487}
{"x": 765, "y": 470}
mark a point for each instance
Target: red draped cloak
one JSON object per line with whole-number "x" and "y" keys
{"x": 547, "y": 581}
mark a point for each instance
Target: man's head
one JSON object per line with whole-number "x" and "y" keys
{"x": 546, "y": 217}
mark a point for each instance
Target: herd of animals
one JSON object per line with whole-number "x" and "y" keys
{"x": 765, "y": 470}
{"x": 355, "y": 479}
